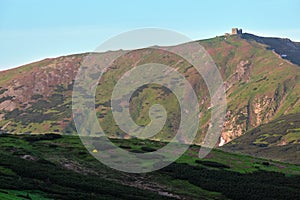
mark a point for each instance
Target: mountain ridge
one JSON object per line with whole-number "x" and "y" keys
{"x": 261, "y": 86}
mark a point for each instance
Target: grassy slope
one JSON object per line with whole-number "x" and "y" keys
{"x": 279, "y": 45}
{"x": 21, "y": 195}
{"x": 278, "y": 139}
{"x": 61, "y": 168}
{"x": 269, "y": 75}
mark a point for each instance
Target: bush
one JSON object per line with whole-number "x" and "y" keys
{"x": 148, "y": 149}
{"x": 212, "y": 164}
{"x": 234, "y": 185}
{"x": 265, "y": 163}
{"x": 47, "y": 136}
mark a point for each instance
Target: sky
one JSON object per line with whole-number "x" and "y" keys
{"x": 32, "y": 30}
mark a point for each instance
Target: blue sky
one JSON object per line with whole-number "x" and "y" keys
{"x": 32, "y": 30}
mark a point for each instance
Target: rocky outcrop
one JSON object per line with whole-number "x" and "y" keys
{"x": 242, "y": 73}
{"x": 234, "y": 126}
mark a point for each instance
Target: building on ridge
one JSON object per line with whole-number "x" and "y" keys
{"x": 236, "y": 31}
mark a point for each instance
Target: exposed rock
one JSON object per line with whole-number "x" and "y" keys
{"x": 7, "y": 105}
{"x": 29, "y": 157}
{"x": 242, "y": 73}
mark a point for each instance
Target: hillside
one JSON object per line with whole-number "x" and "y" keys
{"x": 277, "y": 140}
{"x": 261, "y": 86}
{"x": 282, "y": 46}
{"x": 59, "y": 167}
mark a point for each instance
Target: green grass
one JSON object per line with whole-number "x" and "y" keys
{"x": 21, "y": 195}
{"x": 293, "y": 137}
{"x": 51, "y": 153}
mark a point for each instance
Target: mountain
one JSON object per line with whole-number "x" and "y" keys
{"x": 282, "y": 46}
{"x": 278, "y": 140}
{"x": 53, "y": 166}
{"x": 261, "y": 86}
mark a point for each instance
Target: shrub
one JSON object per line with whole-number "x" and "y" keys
{"x": 212, "y": 164}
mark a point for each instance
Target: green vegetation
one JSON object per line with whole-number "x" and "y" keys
{"x": 42, "y": 113}
{"x": 257, "y": 80}
{"x": 21, "y": 195}
{"x": 278, "y": 140}
{"x": 58, "y": 167}
{"x": 257, "y": 185}
{"x": 263, "y": 93}
{"x": 45, "y": 170}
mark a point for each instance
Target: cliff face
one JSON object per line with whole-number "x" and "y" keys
{"x": 279, "y": 139}
{"x": 259, "y": 110}
{"x": 260, "y": 86}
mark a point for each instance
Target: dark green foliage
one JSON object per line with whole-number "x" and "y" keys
{"x": 64, "y": 184}
{"x": 35, "y": 114}
{"x": 46, "y": 172}
{"x": 106, "y": 104}
{"x": 3, "y": 191}
{"x": 212, "y": 164}
{"x": 148, "y": 149}
{"x": 13, "y": 114}
{"x": 36, "y": 96}
{"x": 33, "y": 117}
{"x": 256, "y": 185}
{"x": 125, "y": 147}
{"x": 2, "y": 99}
{"x": 61, "y": 88}
{"x": 138, "y": 91}
{"x": 57, "y": 182}
{"x": 56, "y": 99}
{"x": 24, "y": 196}
{"x": 41, "y": 105}
{"x": 266, "y": 163}
{"x": 136, "y": 151}
{"x": 70, "y": 128}
{"x": 3, "y": 90}
{"x": 47, "y": 136}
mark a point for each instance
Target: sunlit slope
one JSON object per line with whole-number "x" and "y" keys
{"x": 261, "y": 86}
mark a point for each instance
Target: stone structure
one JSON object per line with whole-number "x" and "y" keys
{"x": 236, "y": 31}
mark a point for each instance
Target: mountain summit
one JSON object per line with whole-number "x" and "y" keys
{"x": 261, "y": 75}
